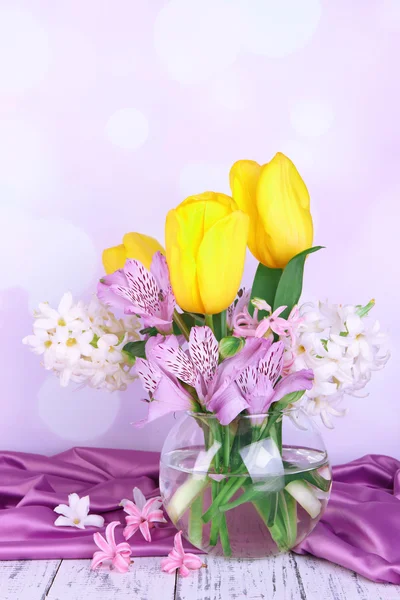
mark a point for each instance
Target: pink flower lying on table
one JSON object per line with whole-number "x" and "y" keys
{"x": 179, "y": 559}
{"x": 118, "y": 554}
{"x": 142, "y": 514}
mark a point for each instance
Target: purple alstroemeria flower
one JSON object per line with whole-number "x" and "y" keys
{"x": 138, "y": 291}
{"x": 258, "y": 382}
{"x": 166, "y": 394}
{"x": 214, "y": 383}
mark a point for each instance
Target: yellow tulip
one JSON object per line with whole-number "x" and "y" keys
{"x": 135, "y": 245}
{"x": 278, "y": 203}
{"x": 206, "y": 239}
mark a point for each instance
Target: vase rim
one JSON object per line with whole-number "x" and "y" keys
{"x": 282, "y": 411}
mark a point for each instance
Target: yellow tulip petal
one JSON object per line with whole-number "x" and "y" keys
{"x": 244, "y": 177}
{"x": 220, "y": 261}
{"x": 114, "y": 258}
{"x": 283, "y": 204}
{"x": 181, "y": 262}
{"x": 141, "y": 247}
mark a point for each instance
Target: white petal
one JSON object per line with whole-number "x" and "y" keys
{"x": 139, "y": 498}
{"x": 304, "y": 495}
{"x": 64, "y": 509}
{"x": 94, "y": 521}
{"x": 64, "y": 522}
{"x": 65, "y": 377}
{"x": 82, "y": 507}
{"x": 354, "y": 324}
{"x": 65, "y": 303}
{"x": 44, "y": 324}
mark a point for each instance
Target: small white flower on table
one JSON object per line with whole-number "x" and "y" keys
{"x": 76, "y": 514}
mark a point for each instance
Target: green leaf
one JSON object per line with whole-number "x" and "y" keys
{"x": 229, "y": 346}
{"x": 94, "y": 340}
{"x": 134, "y": 350}
{"x": 265, "y": 284}
{"x": 289, "y": 288}
{"x": 150, "y": 331}
{"x": 312, "y": 477}
{"x": 364, "y": 310}
{"x": 189, "y": 320}
{"x": 283, "y": 530}
{"x": 286, "y": 400}
{"x": 219, "y": 322}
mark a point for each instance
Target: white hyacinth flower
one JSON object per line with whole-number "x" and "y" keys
{"x": 76, "y": 513}
{"x": 343, "y": 348}
{"x": 83, "y": 343}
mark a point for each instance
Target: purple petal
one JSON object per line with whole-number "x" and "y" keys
{"x": 272, "y": 364}
{"x": 142, "y": 290}
{"x": 159, "y": 269}
{"x": 177, "y": 362}
{"x": 106, "y": 294}
{"x": 247, "y": 380}
{"x": 262, "y": 396}
{"x": 254, "y": 349}
{"x": 227, "y": 403}
{"x": 295, "y": 382}
{"x": 203, "y": 349}
{"x": 148, "y": 374}
{"x": 169, "y": 397}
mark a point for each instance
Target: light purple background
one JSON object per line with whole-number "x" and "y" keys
{"x": 113, "y": 112}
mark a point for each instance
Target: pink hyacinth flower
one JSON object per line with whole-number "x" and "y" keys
{"x": 142, "y": 514}
{"x": 179, "y": 559}
{"x": 119, "y": 555}
{"x": 138, "y": 291}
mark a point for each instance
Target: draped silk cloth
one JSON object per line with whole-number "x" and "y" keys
{"x": 360, "y": 529}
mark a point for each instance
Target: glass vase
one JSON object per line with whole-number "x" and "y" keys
{"x": 252, "y": 489}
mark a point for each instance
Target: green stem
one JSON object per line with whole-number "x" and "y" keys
{"x": 227, "y": 447}
{"x": 181, "y": 324}
{"x": 215, "y": 523}
{"x": 224, "y": 537}
{"x": 229, "y": 489}
{"x": 224, "y": 330}
{"x": 209, "y": 321}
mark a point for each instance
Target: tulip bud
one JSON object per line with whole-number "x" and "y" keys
{"x": 278, "y": 203}
{"x": 135, "y": 245}
{"x": 206, "y": 238}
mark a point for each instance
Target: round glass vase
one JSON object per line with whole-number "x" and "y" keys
{"x": 252, "y": 489}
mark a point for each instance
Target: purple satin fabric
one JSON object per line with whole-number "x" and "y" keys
{"x": 360, "y": 529}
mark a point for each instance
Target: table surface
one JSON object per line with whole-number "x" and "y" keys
{"x": 286, "y": 577}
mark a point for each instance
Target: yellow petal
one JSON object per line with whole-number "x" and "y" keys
{"x": 283, "y": 204}
{"x": 181, "y": 260}
{"x": 244, "y": 177}
{"x": 114, "y": 258}
{"x": 141, "y": 247}
{"x": 220, "y": 261}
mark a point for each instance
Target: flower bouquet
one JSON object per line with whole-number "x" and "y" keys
{"x": 245, "y": 472}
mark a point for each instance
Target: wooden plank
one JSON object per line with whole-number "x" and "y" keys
{"x": 323, "y": 580}
{"x": 273, "y": 578}
{"x": 145, "y": 581}
{"x": 26, "y": 579}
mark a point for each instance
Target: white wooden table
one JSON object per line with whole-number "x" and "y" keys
{"x": 287, "y": 577}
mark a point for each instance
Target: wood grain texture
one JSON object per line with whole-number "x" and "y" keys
{"x": 274, "y": 578}
{"x": 326, "y": 581}
{"x": 26, "y": 580}
{"x": 145, "y": 581}
{"x": 286, "y": 577}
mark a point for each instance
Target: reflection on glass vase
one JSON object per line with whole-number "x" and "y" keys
{"x": 251, "y": 489}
